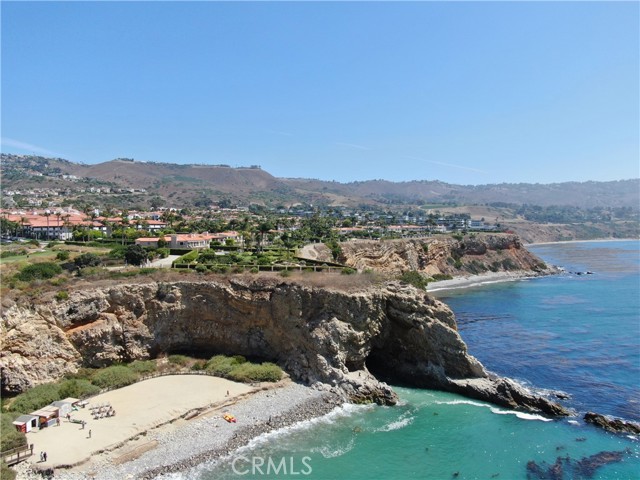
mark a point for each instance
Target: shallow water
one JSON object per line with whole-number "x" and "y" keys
{"x": 578, "y": 334}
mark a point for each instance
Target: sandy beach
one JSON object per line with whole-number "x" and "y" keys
{"x": 169, "y": 424}
{"x": 480, "y": 279}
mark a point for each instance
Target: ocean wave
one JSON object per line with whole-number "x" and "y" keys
{"x": 498, "y": 411}
{"x": 331, "y": 418}
{"x": 397, "y": 425}
{"x": 463, "y": 402}
{"x": 328, "y": 451}
{"x": 521, "y": 415}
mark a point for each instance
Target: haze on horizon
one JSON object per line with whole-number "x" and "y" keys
{"x": 465, "y": 93}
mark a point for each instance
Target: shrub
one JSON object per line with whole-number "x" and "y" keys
{"x": 11, "y": 253}
{"x": 5, "y": 472}
{"x": 285, "y": 273}
{"x": 508, "y": 264}
{"x": 39, "y": 271}
{"x": 143, "y": 367}
{"x": 117, "y": 252}
{"x": 199, "y": 365}
{"x": 81, "y": 374}
{"x": 251, "y": 372}
{"x": 178, "y": 359}
{"x": 163, "y": 252}
{"x": 187, "y": 258}
{"x": 201, "y": 268}
{"x": 77, "y": 388}
{"x": 62, "y": 295}
{"x": 441, "y": 276}
{"x": 414, "y": 278}
{"x": 254, "y": 270}
{"x": 62, "y": 255}
{"x": 87, "y": 260}
{"x": 348, "y": 271}
{"x": 11, "y": 438}
{"x": 35, "y": 398}
{"x": 115, "y": 377}
{"x": 34, "y": 242}
{"x": 219, "y": 365}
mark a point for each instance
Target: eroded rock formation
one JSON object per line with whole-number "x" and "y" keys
{"x": 473, "y": 254}
{"x": 320, "y": 336}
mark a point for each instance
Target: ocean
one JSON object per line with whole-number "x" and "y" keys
{"x": 575, "y": 333}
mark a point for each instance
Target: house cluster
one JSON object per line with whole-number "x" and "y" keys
{"x": 60, "y": 224}
{"x": 47, "y": 416}
{"x": 190, "y": 240}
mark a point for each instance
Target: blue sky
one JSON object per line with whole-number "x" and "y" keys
{"x": 466, "y": 93}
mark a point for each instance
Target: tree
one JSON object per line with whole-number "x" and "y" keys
{"x": 87, "y": 260}
{"x": 135, "y": 255}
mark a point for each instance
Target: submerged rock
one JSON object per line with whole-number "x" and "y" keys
{"x": 567, "y": 468}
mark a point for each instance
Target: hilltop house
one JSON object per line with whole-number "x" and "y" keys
{"x": 189, "y": 240}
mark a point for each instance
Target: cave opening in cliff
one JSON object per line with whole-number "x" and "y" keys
{"x": 377, "y": 362}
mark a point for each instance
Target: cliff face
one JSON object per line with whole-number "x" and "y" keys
{"x": 320, "y": 336}
{"x": 435, "y": 255}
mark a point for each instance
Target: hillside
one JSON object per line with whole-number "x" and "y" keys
{"x": 182, "y": 184}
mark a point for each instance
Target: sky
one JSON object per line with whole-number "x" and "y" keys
{"x": 465, "y": 93}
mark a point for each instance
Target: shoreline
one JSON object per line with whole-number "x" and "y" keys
{"x": 596, "y": 240}
{"x": 187, "y": 442}
{"x": 468, "y": 281}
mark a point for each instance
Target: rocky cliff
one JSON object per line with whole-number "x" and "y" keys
{"x": 321, "y": 336}
{"x": 439, "y": 254}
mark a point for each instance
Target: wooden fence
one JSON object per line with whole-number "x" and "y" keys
{"x": 16, "y": 455}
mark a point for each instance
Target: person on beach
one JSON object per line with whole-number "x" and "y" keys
{"x": 89, "y": 433}
{"x": 44, "y": 456}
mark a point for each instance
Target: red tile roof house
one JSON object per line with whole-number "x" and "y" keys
{"x": 180, "y": 240}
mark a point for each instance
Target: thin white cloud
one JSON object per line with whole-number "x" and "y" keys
{"x": 10, "y": 142}
{"x": 353, "y": 145}
{"x": 461, "y": 167}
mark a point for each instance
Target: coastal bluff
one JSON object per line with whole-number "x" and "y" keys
{"x": 342, "y": 340}
{"x": 456, "y": 256}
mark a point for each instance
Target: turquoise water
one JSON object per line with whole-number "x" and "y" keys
{"x": 575, "y": 333}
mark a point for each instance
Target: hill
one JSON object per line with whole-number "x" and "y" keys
{"x": 200, "y": 185}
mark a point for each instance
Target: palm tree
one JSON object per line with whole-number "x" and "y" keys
{"x": 23, "y": 220}
{"x": 47, "y": 214}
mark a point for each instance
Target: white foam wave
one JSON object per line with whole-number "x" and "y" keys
{"x": 397, "y": 425}
{"x": 463, "y": 402}
{"x": 333, "y": 417}
{"x": 497, "y": 411}
{"x": 521, "y": 415}
{"x": 573, "y": 422}
{"x": 334, "y": 451}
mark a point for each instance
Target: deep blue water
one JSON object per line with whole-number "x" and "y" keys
{"x": 575, "y": 333}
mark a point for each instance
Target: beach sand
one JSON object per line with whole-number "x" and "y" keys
{"x": 167, "y": 424}
{"x": 480, "y": 279}
{"x": 139, "y": 407}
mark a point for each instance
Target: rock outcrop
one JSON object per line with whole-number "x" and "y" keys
{"x": 333, "y": 339}
{"x": 436, "y": 255}
{"x": 612, "y": 424}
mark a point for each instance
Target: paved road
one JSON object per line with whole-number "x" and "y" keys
{"x": 164, "y": 262}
